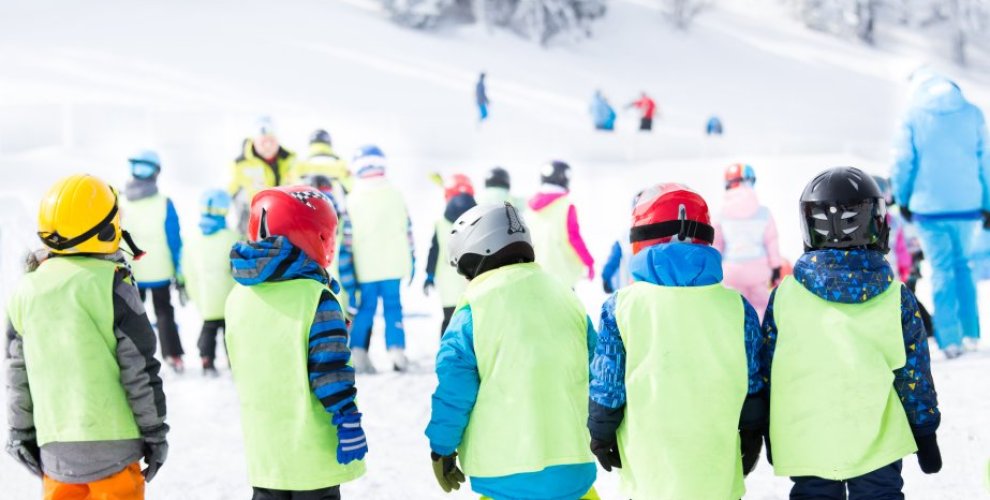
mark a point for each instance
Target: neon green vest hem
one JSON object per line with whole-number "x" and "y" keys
{"x": 834, "y": 412}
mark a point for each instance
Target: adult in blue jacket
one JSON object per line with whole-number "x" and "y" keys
{"x": 941, "y": 179}
{"x": 602, "y": 113}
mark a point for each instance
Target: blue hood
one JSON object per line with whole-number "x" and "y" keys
{"x": 844, "y": 276}
{"x": 677, "y": 264}
{"x": 939, "y": 95}
{"x": 274, "y": 259}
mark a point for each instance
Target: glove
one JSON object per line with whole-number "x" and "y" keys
{"x": 155, "y": 451}
{"x": 906, "y": 213}
{"x": 986, "y": 220}
{"x": 428, "y": 285}
{"x": 180, "y": 286}
{"x": 751, "y": 441}
{"x": 607, "y": 453}
{"x": 23, "y": 446}
{"x": 607, "y": 286}
{"x": 352, "y": 444}
{"x": 445, "y": 469}
{"x": 775, "y": 276}
{"x": 929, "y": 456}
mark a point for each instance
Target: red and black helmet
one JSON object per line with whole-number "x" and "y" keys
{"x": 670, "y": 212}
{"x": 457, "y": 184}
{"x": 300, "y": 213}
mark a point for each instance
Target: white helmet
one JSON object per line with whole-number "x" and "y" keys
{"x": 489, "y": 236}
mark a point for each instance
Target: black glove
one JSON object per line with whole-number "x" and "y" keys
{"x": 445, "y": 469}
{"x": 929, "y": 456}
{"x": 775, "y": 276}
{"x": 751, "y": 441}
{"x": 180, "y": 286}
{"x": 155, "y": 451}
{"x": 607, "y": 286}
{"x": 23, "y": 446}
{"x": 906, "y": 213}
{"x": 607, "y": 453}
{"x": 986, "y": 220}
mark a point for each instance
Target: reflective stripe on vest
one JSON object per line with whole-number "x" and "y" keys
{"x": 450, "y": 284}
{"x": 64, "y": 313}
{"x": 380, "y": 232}
{"x": 145, "y": 220}
{"x": 552, "y": 243}
{"x": 206, "y": 265}
{"x": 687, "y": 377}
{"x": 744, "y": 237}
{"x": 289, "y": 440}
{"x": 531, "y": 342}
{"x": 834, "y": 412}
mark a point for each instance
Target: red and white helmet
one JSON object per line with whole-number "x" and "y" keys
{"x": 457, "y": 184}
{"x": 670, "y": 212}
{"x": 300, "y": 213}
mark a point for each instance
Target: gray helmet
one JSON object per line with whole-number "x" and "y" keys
{"x": 488, "y": 234}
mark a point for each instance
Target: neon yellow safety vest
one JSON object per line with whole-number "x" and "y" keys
{"x": 528, "y": 328}
{"x": 686, "y": 381}
{"x": 64, "y": 313}
{"x": 553, "y": 245}
{"x": 834, "y": 412}
{"x": 450, "y": 284}
{"x": 145, "y": 220}
{"x": 250, "y": 174}
{"x": 206, "y": 265}
{"x": 289, "y": 439}
{"x": 380, "y": 225}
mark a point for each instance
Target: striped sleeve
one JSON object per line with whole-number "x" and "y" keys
{"x": 330, "y": 376}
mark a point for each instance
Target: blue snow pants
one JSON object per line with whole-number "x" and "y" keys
{"x": 884, "y": 483}
{"x": 948, "y": 244}
{"x": 388, "y": 292}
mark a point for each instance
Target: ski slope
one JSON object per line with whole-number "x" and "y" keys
{"x": 84, "y": 85}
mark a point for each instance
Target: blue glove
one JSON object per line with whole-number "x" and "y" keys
{"x": 352, "y": 444}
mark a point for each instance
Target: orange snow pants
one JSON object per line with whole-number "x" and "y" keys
{"x": 127, "y": 484}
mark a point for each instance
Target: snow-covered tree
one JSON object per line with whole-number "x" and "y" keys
{"x": 681, "y": 13}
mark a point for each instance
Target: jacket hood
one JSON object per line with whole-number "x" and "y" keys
{"x": 740, "y": 203}
{"x": 457, "y": 206}
{"x": 844, "y": 276}
{"x": 274, "y": 259}
{"x": 540, "y": 200}
{"x": 139, "y": 189}
{"x": 677, "y": 264}
{"x": 210, "y": 223}
{"x": 940, "y": 95}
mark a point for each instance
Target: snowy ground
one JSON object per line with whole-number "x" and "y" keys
{"x": 83, "y": 85}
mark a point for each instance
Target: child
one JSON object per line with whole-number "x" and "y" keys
{"x": 287, "y": 343}
{"x": 615, "y": 272}
{"x": 85, "y": 402}
{"x": 851, "y": 391}
{"x": 459, "y": 194}
{"x": 747, "y": 238}
{"x": 498, "y": 188}
{"x": 152, "y": 219}
{"x": 676, "y": 390}
{"x": 560, "y": 249}
{"x": 207, "y": 264}
{"x": 383, "y": 256}
{"x": 512, "y": 370}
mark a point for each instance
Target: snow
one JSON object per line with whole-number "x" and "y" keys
{"x": 84, "y": 85}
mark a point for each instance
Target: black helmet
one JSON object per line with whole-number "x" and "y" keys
{"x": 843, "y": 207}
{"x": 321, "y": 136}
{"x": 498, "y": 177}
{"x": 557, "y": 173}
{"x": 318, "y": 181}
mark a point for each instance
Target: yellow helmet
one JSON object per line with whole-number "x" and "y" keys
{"x": 79, "y": 214}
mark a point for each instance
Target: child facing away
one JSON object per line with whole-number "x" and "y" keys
{"x": 459, "y": 195}
{"x": 287, "y": 343}
{"x": 511, "y": 403}
{"x": 847, "y": 362}
{"x": 206, "y": 261}
{"x": 677, "y": 401}
{"x": 85, "y": 400}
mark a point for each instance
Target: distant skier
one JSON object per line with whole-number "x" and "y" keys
{"x": 481, "y": 98}
{"x": 287, "y": 341}
{"x": 851, "y": 389}
{"x": 263, "y": 163}
{"x": 602, "y": 114}
{"x": 511, "y": 404}
{"x": 84, "y": 397}
{"x": 647, "y": 109}
{"x": 383, "y": 256}
{"x": 746, "y": 236}
{"x": 152, "y": 219}
{"x": 714, "y": 126}
{"x": 206, "y": 264}
{"x": 322, "y": 160}
{"x": 459, "y": 195}
{"x": 560, "y": 248}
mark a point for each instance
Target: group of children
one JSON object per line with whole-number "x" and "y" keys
{"x": 678, "y": 387}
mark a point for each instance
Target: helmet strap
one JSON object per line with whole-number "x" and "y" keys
{"x": 58, "y": 242}
{"x": 136, "y": 252}
{"x": 682, "y": 228}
